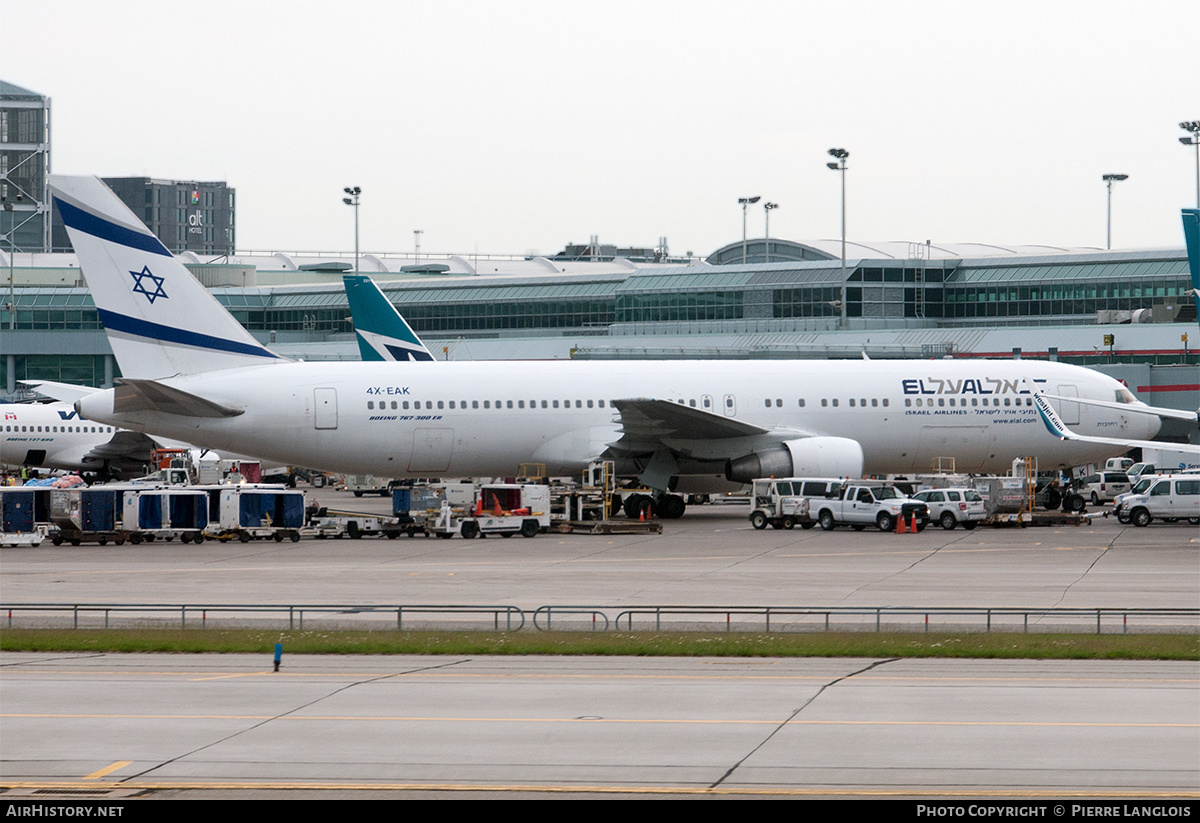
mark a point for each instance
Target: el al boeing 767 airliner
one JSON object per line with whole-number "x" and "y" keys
{"x": 193, "y": 373}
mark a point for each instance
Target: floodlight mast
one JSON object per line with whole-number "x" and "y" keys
{"x": 1193, "y": 126}
{"x": 746, "y": 202}
{"x": 1110, "y": 179}
{"x": 352, "y": 200}
{"x": 768, "y": 207}
{"x": 840, "y": 166}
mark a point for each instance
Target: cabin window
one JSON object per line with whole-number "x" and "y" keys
{"x": 510, "y": 404}
{"x": 852, "y": 402}
{"x": 885, "y": 401}
{"x": 874, "y": 402}
{"x": 579, "y": 404}
{"x": 556, "y": 404}
{"x": 824, "y": 402}
{"x": 589, "y": 404}
{"x": 601, "y": 402}
{"x": 520, "y": 404}
{"x": 801, "y": 402}
{"x": 370, "y": 404}
{"x": 835, "y": 402}
{"x": 941, "y": 401}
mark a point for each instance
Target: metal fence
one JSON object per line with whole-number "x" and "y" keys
{"x": 570, "y": 617}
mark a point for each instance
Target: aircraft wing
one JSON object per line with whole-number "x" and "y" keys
{"x": 1135, "y": 408}
{"x": 650, "y": 422}
{"x": 124, "y": 445}
{"x": 1059, "y": 429}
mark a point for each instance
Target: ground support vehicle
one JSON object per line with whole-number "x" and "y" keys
{"x": 25, "y": 516}
{"x": 782, "y": 504}
{"x": 498, "y": 508}
{"x": 164, "y": 513}
{"x": 951, "y": 507}
{"x": 251, "y": 512}
{"x": 87, "y": 515}
{"x": 362, "y": 484}
{"x": 327, "y": 523}
{"x": 1170, "y": 498}
{"x": 1103, "y": 487}
{"x": 863, "y": 503}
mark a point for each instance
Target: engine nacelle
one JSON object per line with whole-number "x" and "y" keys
{"x": 807, "y": 457}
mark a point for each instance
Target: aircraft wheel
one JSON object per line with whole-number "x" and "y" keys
{"x": 1053, "y": 499}
{"x": 529, "y": 528}
{"x": 758, "y": 520}
{"x": 948, "y": 521}
{"x": 1141, "y": 517}
{"x": 885, "y": 522}
{"x": 1077, "y": 503}
{"x": 826, "y": 521}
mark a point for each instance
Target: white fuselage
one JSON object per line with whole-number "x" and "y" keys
{"x": 487, "y": 418}
{"x": 50, "y": 436}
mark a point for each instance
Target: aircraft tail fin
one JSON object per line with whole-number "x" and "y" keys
{"x": 1191, "y": 234}
{"x": 160, "y": 320}
{"x": 382, "y": 333}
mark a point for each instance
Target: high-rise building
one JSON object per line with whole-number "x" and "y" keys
{"x": 185, "y": 215}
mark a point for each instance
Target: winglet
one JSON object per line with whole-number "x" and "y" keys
{"x": 1050, "y": 418}
{"x": 382, "y": 333}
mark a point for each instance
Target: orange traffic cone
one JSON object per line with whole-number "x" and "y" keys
{"x": 914, "y": 524}
{"x": 901, "y": 525}
{"x": 642, "y": 515}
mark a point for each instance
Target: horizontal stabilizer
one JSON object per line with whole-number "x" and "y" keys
{"x": 63, "y": 392}
{"x": 149, "y": 395}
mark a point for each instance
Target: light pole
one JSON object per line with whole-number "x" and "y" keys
{"x": 745, "y": 201}
{"x": 417, "y": 243}
{"x": 352, "y": 200}
{"x": 12, "y": 252}
{"x": 840, "y": 166}
{"x": 1110, "y": 179}
{"x": 1193, "y": 139}
{"x": 767, "y": 207}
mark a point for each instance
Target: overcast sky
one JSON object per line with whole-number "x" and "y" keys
{"x": 517, "y": 127}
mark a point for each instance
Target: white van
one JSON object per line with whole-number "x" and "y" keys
{"x": 1171, "y": 497}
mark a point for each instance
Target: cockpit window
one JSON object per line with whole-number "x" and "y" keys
{"x": 1125, "y": 396}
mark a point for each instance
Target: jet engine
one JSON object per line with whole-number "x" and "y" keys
{"x": 807, "y": 457}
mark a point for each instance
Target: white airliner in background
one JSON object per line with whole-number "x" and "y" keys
{"x": 193, "y": 373}
{"x": 54, "y": 436}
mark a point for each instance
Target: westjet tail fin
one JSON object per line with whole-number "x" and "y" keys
{"x": 160, "y": 321}
{"x": 382, "y": 333}
{"x": 1191, "y": 234}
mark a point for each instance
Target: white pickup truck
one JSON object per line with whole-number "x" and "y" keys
{"x": 865, "y": 504}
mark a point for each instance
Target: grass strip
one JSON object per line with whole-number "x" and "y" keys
{"x": 647, "y": 644}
